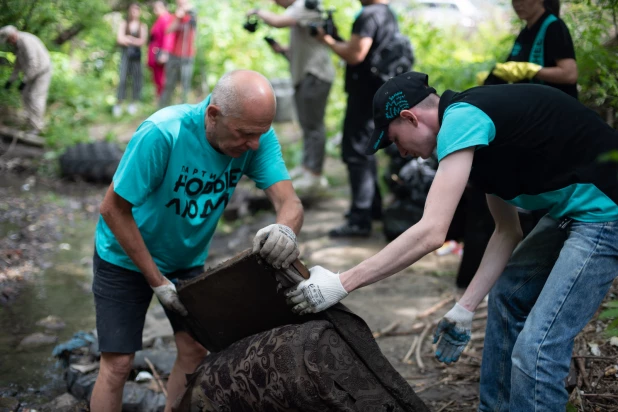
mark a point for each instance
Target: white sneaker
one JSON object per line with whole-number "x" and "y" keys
{"x": 117, "y": 110}
{"x": 297, "y": 172}
{"x": 309, "y": 181}
{"x": 132, "y": 109}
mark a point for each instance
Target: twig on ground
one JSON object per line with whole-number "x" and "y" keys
{"x": 611, "y": 358}
{"x": 411, "y": 350}
{"x": 477, "y": 336}
{"x": 419, "y": 361}
{"x": 579, "y": 362}
{"x": 440, "y": 382}
{"x": 445, "y": 406}
{"x": 386, "y": 330}
{"x": 156, "y": 376}
{"x": 480, "y": 316}
{"x": 435, "y": 307}
{"x": 416, "y": 328}
{"x": 599, "y": 395}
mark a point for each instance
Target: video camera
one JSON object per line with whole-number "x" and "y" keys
{"x": 327, "y": 24}
{"x": 251, "y": 24}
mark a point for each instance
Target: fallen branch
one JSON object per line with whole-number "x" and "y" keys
{"x": 411, "y": 350}
{"x": 386, "y": 330}
{"x": 611, "y": 358}
{"x": 579, "y": 362}
{"x": 419, "y": 361}
{"x": 156, "y": 376}
{"x": 416, "y": 328}
{"x": 440, "y": 382}
{"x": 435, "y": 307}
{"x": 445, "y": 406}
{"x": 477, "y": 336}
{"x": 595, "y": 395}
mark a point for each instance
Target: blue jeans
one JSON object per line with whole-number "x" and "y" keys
{"x": 549, "y": 290}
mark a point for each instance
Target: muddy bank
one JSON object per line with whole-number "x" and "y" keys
{"x": 35, "y": 214}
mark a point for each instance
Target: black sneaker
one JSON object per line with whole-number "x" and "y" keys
{"x": 350, "y": 230}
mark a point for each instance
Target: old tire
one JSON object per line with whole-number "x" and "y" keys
{"x": 92, "y": 162}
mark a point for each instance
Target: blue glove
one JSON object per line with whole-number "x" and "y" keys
{"x": 453, "y": 333}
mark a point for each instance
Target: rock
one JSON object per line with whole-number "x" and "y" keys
{"x": 52, "y": 323}
{"x": 37, "y": 339}
{"x": 144, "y": 376}
{"x": 63, "y": 403}
{"x": 85, "y": 368}
{"x": 80, "y": 385}
{"x": 163, "y": 360}
{"x": 133, "y": 396}
{"x": 9, "y": 404}
{"x": 138, "y": 398}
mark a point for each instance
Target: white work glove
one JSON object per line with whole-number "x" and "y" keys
{"x": 453, "y": 331}
{"x": 322, "y": 290}
{"x": 169, "y": 298}
{"x": 277, "y": 245}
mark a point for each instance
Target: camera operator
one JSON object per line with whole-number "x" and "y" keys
{"x": 312, "y": 76}
{"x": 373, "y": 28}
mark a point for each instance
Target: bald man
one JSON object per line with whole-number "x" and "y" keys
{"x": 160, "y": 212}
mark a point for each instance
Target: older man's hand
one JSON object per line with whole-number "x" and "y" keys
{"x": 322, "y": 290}
{"x": 169, "y": 297}
{"x": 276, "y": 244}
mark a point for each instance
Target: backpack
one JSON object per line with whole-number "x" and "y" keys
{"x": 393, "y": 57}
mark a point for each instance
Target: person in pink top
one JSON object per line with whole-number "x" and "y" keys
{"x": 181, "y": 47}
{"x": 157, "y": 54}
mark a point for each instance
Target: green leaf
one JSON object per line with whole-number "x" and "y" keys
{"x": 611, "y": 304}
{"x": 571, "y": 408}
{"x": 609, "y": 314}
{"x": 609, "y": 156}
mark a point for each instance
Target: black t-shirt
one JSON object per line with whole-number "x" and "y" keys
{"x": 545, "y": 151}
{"x": 558, "y": 45}
{"x": 378, "y": 22}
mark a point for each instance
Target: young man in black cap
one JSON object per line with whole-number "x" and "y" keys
{"x": 529, "y": 146}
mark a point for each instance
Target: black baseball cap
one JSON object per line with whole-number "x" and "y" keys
{"x": 398, "y": 93}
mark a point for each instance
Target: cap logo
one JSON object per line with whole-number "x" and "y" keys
{"x": 378, "y": 140}
{"x": 395, "y": 104}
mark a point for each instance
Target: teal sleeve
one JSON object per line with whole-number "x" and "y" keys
{"x": 267, "y": 166}
{"x": 143, "y": 165}
{"x": 463, "y": 126}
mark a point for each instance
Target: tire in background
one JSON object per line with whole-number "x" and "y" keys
{"x": 92, "y": 162}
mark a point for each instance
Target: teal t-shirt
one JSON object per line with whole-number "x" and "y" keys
{"x": 463, "y": 126}
{"x": 179, "y": 185}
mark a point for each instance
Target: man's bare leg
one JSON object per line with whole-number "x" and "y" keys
{"x": 190, "y": 355}
{"x": 113, "y": 373}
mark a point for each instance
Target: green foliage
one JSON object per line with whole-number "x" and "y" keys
{"x": 590, "y": 24}
{"x": 611, "y": 312}
{"x": 85, "y": 74}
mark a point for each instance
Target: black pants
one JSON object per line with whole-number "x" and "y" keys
{"x": 362, "y": 169}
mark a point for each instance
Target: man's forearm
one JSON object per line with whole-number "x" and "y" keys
{"x": 291, "y": 214}
{"x": 409, "y": 247}
{"x": 125, "y": 230}
{"x": 342, "y": 49}
{"x": 495, "y": 258}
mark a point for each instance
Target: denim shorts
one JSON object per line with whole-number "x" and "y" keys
{"x": 121, "y": 299}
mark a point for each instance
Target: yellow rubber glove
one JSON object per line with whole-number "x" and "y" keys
{"x": 516, "y": 71}
{"x": 481, "y": 77}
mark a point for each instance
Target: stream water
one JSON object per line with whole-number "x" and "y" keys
{"x": 62, "y": 290}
